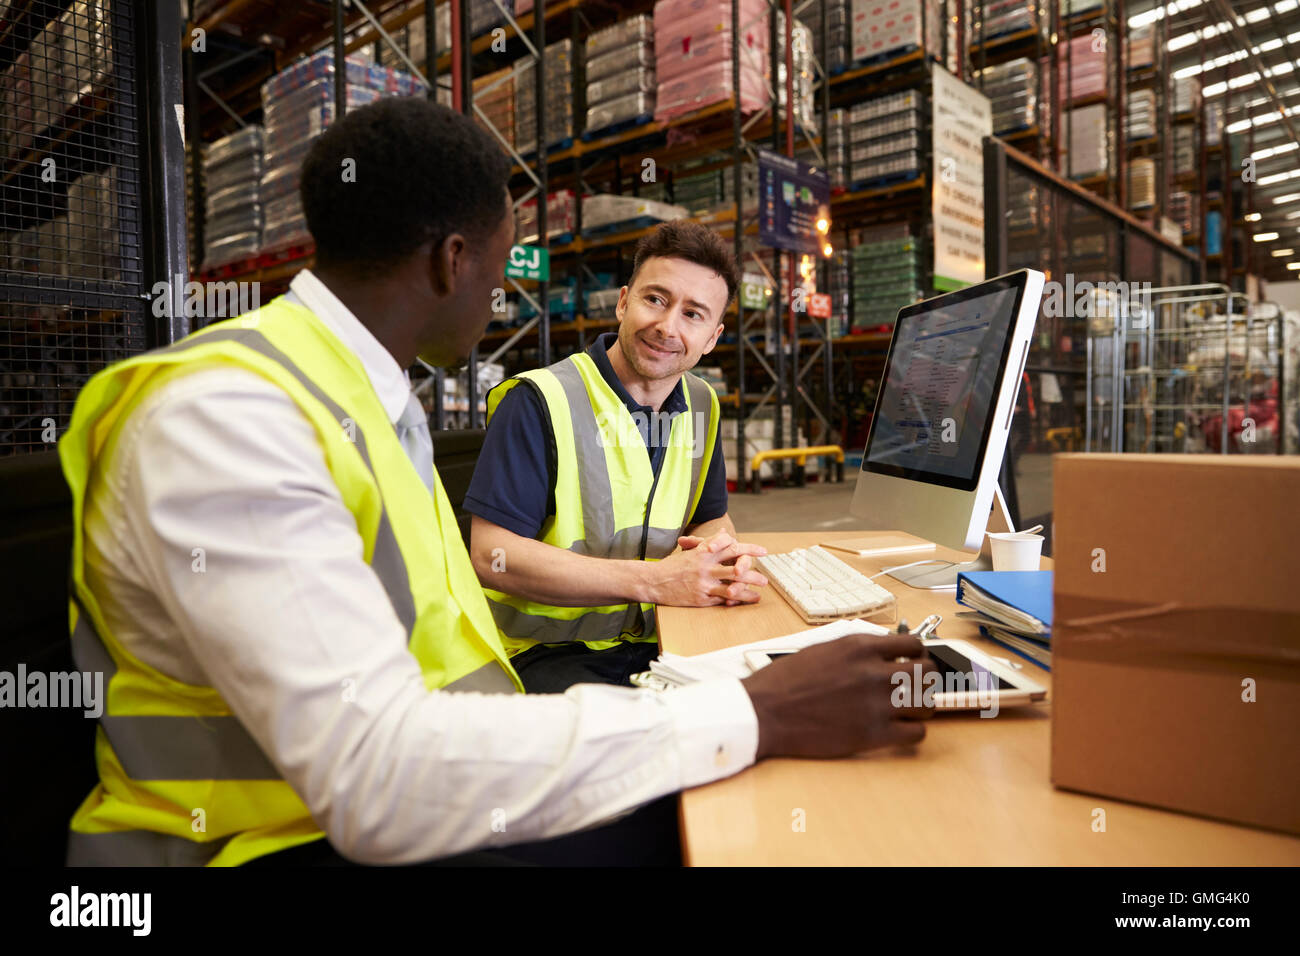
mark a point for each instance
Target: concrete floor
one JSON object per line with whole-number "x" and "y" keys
{"x": 825, "y": 507}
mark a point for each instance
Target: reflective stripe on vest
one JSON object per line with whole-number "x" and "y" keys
{"x": 139, "y": 848}
{"x": 600, "y": 536}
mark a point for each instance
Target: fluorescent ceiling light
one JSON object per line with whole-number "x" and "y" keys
{"x": 1253, "y": 217}
{"x": 1159, "y": 13}
{"x": 1280, "y": 253}
{"x": 1264, "y": 236}
{"x": 1293, "y": 265}
{"x": 1272, "y": 151}
{"x": 1278, "y": 177}
{"x": 1293, "y": 215}
{"x": 1263, "y": 119}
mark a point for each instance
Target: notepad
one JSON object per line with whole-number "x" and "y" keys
{"x": 874, "y": 544}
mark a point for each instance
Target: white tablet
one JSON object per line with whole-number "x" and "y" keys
{"x": 970, "y": 679}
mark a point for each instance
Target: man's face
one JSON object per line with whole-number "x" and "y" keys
{"x": 470, "y": 304}
{"x": 670, "y": 316}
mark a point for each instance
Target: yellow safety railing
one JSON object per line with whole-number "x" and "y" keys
{"x": 800, "y": 456}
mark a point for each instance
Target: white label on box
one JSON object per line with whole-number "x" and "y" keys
{"x": 962, "y": 117}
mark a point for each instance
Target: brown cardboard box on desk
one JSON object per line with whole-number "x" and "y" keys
{"x": 1176, "y": 633}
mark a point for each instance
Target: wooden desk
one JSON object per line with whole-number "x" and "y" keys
{"x": 976, "y": 791}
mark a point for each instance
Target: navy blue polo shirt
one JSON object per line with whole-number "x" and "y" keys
{"x": 514, "y": 481}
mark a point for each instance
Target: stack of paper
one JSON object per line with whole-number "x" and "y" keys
{"x": 675, "y": 669}
{"x": 1015, "y": 610}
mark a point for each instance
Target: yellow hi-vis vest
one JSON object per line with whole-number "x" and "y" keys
{"x": 608, "y": 501}
{"x": 166, "y": 749}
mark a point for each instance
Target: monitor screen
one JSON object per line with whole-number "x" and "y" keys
{"x": 944, "y": 372}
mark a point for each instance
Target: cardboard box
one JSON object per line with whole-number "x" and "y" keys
{"x": 1176, "y": 637}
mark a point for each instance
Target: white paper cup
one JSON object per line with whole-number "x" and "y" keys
{"x": 1016, "y": 551}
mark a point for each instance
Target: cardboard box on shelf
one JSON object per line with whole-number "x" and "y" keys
{"x": 1176, "y": 636}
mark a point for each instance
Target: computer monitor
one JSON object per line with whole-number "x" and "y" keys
{"x": 943, "y": 414}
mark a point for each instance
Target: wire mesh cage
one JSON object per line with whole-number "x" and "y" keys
{"x": 71, "y": 269}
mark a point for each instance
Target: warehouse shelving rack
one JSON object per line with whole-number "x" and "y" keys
{"x": 68, "y": 312}
{"x": 985, "y": 51}
{"x": 784, "y": 378}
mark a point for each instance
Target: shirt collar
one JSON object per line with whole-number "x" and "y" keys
{"x": 390, "y": 382}
{"x": 599, "y": 352}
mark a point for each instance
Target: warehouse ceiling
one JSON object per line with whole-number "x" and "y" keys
{"x": 1247, "y": 55}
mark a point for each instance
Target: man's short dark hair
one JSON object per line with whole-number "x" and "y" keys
{"x": 689, "y": 240}
{"x": 422, "y": 172}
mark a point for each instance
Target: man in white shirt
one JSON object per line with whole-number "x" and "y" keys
{"x": 224, "y": 556}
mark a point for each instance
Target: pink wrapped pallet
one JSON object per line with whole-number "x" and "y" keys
{"x": 1082, "y": 69}
{"x": 690, "y": 34}
{"x": 708, "y": 85}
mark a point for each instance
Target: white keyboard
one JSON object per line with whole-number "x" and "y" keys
{"x": 821, "y": 587}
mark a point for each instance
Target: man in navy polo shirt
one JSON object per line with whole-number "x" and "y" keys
{"x": 577, "y": 534}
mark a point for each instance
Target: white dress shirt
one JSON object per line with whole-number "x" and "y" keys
{"x": 222, "y": 554}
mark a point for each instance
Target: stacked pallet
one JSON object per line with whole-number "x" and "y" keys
{"x": 557, "y": 97}
{"x": 494, "y": 95}
{"x": 232, "y": 170}
{"x": 297, "y": 104}
{"x": 712, "y": 189}
{"x": 1140, "y": 116}
{"x": 886, "y": 274}
{"x": 1012, "y": 89}
{"x": 1082, "y": 69}
{"x": 1089, "y": 141}
{"x": 1142, "y": 184}
{"x": 693, "y": 43}
{"x": 835, "y": 56}
{"x": 621, "y": 79}
{"x": 561, "y": 217}
{"x": 879, "y": 29}
{"x": 885, "y": 138}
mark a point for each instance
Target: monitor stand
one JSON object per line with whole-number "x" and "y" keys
{"x": 940, "y": 577}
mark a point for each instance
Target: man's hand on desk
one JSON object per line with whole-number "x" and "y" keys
{"x": 708, "y": 571}
{"x": 835, "y": 699}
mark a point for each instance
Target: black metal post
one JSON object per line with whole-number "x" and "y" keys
{"x": 738, "y": 234}
{"x": 780, "y": 306}
{"x": 995, "y": 208}
{"x": 439, "y": 414}
{"x": 465, "y": 66}
{"x": 167, "y": 256}
{"x": 828, "y": 266}
{"x": 340, "y": 64}
{"x": 539, "y": 112}
{"x": 194, "y": 135}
